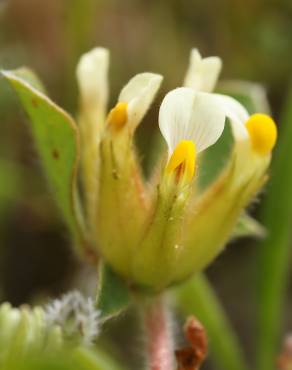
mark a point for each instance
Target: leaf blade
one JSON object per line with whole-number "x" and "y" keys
{"x": 57, "y": 139}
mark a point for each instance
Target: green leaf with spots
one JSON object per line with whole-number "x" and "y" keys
{"x": 113, "y": 295}
{"x": 57, "y": 140}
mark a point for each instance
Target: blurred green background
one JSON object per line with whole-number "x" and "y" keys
{"x": 254, "y": 39}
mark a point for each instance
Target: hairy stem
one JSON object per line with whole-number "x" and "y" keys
{"x": 159, "y": 346}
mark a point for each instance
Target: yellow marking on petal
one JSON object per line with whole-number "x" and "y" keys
{"x": 118, "y": 116}
{"x": 263, "y": 133}
{"x": 182, "y": 160}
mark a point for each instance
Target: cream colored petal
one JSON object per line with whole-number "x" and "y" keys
{"x": 211, "y": 68}
{"x": 139, "y": 94}
{"x": 237, "y": 115}
{"x": 92, "y": 77}
{"x": 189, "y": 115}
{"x": 193, "y": 75}
{"x": 202, "y": 73}
{"x": 255, "y": 91}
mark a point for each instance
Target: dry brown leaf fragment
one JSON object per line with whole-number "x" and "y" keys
{"x": 192, "y": 357}
{"x": 284, "y": 361}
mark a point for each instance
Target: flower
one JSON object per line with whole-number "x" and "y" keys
{"x": 94, "y": 122}
{"x": 188, "y": 230}
{"x": 189, "y": 122}
{"x": 111, "y": 172}
{"x": 200, "y": 231}
{"x": 133, "y": 101}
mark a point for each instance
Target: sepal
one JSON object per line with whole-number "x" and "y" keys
{"x": 155, "y": 258}
{"x": 113, "y": 295}
{"x": 214, "y": 215}
{"x": 122, "y": 207}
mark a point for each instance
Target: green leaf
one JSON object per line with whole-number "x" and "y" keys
{"x": 274, "y": 253}
{"x": 86, "y": 359}
{"x": 57, "y": 140}
{"x": 70, "y": 358}
{"x": 196, "y": 297}
{"x": 30, "y": 77}
{"x": 248, "y": 226}
{"x": 113, "y": 294}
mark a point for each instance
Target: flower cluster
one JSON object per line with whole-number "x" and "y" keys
{"x": 158, "y": 235}
{"x": 154, "y": 232}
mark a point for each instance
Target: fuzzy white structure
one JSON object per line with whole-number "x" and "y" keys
{"x": 76, "y": 315}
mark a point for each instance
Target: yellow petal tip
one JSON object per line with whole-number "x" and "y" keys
{"x": 263, "y": 133}
{"x": 118, "y": 116}
{"x": 182, "y": 161}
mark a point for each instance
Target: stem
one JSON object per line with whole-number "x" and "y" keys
{"x": 159, "y": 344}
{"x": 274, "y": 253}
{"x": 196, "y": 297}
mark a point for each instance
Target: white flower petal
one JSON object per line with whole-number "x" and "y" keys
{"x": 202, "y": 73}
{"x": 237, "y": 115}
{"x": 255, "y": 91}
{"x": 139, "y": 94}
{"x": 92, "y": 77}
{"x": 189, "y": 115}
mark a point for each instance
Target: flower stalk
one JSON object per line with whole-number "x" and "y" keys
{"x": 159, "y": 345}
